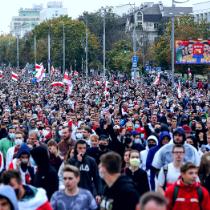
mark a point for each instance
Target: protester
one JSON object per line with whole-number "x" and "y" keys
{"x": 8, "y": 200}
{"x": 72, "y": 197}
{"x": 171, "y": 172}
{"x": 88, "y": 169}
{"x": 152, "y": 201}
{"x": 187, "y": 192}
{"x": 120, "y": 193}
{"x": 28, "y": 196}
{"x": 45, "y": 173}
{"x": 138, "y": 175}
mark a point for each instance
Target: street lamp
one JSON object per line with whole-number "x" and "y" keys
{"x": 104, "y": 42}
{"x": 64, "y": 49}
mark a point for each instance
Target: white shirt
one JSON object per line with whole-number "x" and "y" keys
{"x": 172, "y": 175}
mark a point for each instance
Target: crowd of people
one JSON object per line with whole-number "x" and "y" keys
{"x": 110, "y": 144}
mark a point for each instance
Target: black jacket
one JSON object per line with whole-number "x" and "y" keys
{"x": 89, "y": 177}
{"x": 122, "y": 195}
{"x": 140, "y": 179}
{"x": 96, "y": 153}
{"x": 46, "y": 176}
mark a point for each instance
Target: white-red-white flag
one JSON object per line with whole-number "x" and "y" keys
{"x": 76, "y": 73}
{"x": 67, "y": 78}
{"x": 97, "y": 82}
{"x": 40, "y": 72}
{"x": 57, "y": 84}
{"x": 179, "y": 91}
{"x": 157, "y": 80}
{"x": 1, "y": 74}
{"x": 68, "y": 82}
{"x": 14, "y": 76}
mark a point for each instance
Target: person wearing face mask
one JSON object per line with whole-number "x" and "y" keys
{"x": 163, "y": 139}
{"x": 102, "y": 148}
{"x": 12, "y": 151}
{"x": 7, "y": 142}
{"x": 21, "y": 164}
{"x": 152, "y": 141}
{"x": 138, "y": 175}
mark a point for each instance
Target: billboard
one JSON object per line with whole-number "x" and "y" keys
{"x": 192, "y": 51}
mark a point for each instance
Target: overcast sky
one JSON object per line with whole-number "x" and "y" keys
{"x": 10, "y": 8}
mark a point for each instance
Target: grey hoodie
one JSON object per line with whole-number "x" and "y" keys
{"x": 7, "y": 192}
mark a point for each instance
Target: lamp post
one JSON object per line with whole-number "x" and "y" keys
{"x": 48, "y": 41}
{"x": 34, "y": 50}
{"x": 64, "y": 49}
{"x": 18, "y": 55}
{"x": 86, "y": 48}
{"x": 104, "y": 43}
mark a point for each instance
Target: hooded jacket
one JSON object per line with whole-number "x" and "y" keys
{"x": 88, "y": 173}
{"x": 46, "y": 176}
{"x": 7, "y": 192}
{"x": 122, "y": 195}
{"x": 151, "y": 155}
{"x": 153, "y": 150}
{"x": 187, "y": 197}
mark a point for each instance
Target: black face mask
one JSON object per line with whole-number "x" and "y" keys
{"x": 157, "y": 130}
{"x": 102, "y": 147}
{"x": 151, "y": 145}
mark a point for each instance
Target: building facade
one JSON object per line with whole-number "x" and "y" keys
{"x": 25, "y": 21}
{"x": 28, "y": 18}
{"x": 54, "y": 10}
{"x": 201, "y": 11}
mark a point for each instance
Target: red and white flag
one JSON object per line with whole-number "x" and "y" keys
{"x": 57, "y": 84}
{"x": 68, "y": 82}
{"x": 40, "y": 72}
{"x": 98, "y": 83}
{"x": 14, "y": 76}
{"x": 1, "y": 74}
{"x": 76, "y": 74}
{"x": 179, "y": 91}
{"x": 157, "y": 80}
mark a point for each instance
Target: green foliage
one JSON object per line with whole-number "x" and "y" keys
{"x": 119, "y": 58}
{"x": 74, "y": 37}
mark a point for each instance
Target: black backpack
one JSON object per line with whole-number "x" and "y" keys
{"x": 176, "y": 191}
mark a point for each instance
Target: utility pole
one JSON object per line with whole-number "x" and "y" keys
{"x": 86, "y": 49}
{"x": 48, "y": 51}
{"x": 104, "y": 43}
{"x": 34, "y": 49}
{"x": 64, "y": 49}
{"x": 134, "y": 44}
{"x": 18, "y": 59}
{"x": 172, "y": 42}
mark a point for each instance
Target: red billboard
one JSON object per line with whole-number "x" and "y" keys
{"x": 192, "y": 51}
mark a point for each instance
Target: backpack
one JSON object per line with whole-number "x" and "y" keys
{"x": 198, "y": 189}
{"x": 165, "y": 171}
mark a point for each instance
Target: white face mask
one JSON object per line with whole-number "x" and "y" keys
{"x": 18, "y": 141}
{"x": 60, "y": 132}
